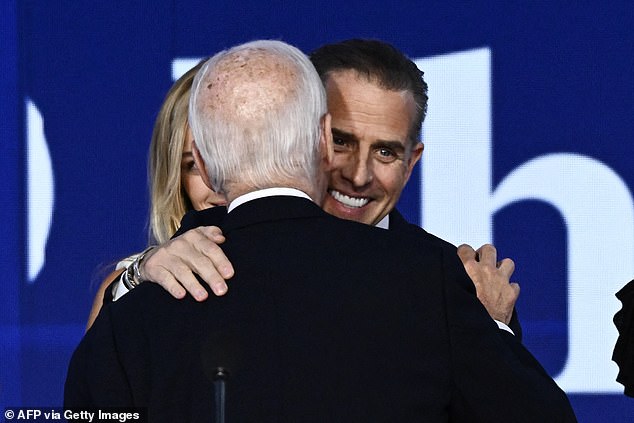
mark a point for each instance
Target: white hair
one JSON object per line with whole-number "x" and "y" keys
{"x": 255, "y": 113}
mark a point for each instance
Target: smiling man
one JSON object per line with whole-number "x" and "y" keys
{"x": 378, "y": 99}
{"x": 375, "y": 151}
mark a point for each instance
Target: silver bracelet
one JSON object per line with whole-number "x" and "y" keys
{"x": 132, "y": 275}
{"x": 126, "y": 278}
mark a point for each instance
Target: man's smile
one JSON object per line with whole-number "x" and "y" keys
{"x": 354, "y": 202}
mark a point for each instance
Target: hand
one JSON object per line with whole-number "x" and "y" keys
{"x": 174, "y": 263}
{"x": 491, "y": 279}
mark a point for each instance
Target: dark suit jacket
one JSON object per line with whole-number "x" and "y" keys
{"x": 325, "y": 320}
{"x": 398, "y": 223}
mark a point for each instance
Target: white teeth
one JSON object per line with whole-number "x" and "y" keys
{"x": 349, "y": 201}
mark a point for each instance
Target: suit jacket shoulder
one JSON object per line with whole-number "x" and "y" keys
{"x": 398, "y": 223}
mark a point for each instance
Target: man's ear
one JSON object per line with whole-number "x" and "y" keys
{"x": 414, "y": 157}
{"x": 200, "y": 164}
{"x": 326, "y": 147}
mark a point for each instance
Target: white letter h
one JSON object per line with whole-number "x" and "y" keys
{"x": 459, "y": 202}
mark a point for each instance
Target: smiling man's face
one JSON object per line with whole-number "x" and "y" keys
{"x": 374, "y": 157}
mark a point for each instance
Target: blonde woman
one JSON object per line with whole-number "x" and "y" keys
{"x": 175, "y": 183}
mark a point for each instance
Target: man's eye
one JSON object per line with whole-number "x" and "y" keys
{"x": 340, "y": 144}
{"x": 386, "y": 155}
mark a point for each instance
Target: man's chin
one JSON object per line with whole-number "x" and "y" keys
{"x": 357, "y": 214}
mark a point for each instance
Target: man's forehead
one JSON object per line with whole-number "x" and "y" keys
{"x": 352, "y": 77}
{"x": 363, "y": 110}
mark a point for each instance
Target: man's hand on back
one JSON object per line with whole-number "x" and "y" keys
{"x": 492, "y": 280}
{"x": 174, "y": 263}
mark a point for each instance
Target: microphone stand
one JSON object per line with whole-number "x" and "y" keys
{"x": 220, "y": 377}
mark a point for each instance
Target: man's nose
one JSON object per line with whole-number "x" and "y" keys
{"x": 359, "y": 170}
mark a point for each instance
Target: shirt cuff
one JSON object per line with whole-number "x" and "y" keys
{"x": 120, "y": 290}
{"x": 505, "y": 327}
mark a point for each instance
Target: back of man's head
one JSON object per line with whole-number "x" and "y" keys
{"x": 255, "y": 113}
{"x": 380, "y": 63}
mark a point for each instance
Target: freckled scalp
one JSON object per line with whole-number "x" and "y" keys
{"x": 249, "y": 86}
{"x": 256, "y": 112}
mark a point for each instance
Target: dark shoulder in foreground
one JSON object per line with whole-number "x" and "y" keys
{"x": 398, "y": 223}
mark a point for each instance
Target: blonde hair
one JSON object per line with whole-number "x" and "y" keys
{"x": 168, "y": 200}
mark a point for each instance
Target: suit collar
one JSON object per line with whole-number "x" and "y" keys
{"x": 208, "y": 217}
{"x": 271, "y": 209}
{"x": 397, "y": 221}
{"x": 255, "y": 211}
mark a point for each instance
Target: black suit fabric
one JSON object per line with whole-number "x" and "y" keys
{"x": 325, "y": 321}
{"x": 398, "y": 223}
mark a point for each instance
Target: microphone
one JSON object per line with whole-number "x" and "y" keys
{"x": 219, "y": 355}
{"x": 220, "y": 392}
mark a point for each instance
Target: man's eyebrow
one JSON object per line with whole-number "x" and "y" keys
{"x": 393, "y": 144}
{"x": 343, "y": 134}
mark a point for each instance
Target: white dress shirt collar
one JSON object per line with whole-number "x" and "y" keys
{"x": 267, "y": 192}
{"x": 384, "y": 223}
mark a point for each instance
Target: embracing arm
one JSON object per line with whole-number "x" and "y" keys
{"x": 196, "y": 252}
{"x": 496, "y": 378}
{"x": 173, "y": 265}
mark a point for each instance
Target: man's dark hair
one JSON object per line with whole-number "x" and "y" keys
{"x": 380, "y": 63}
